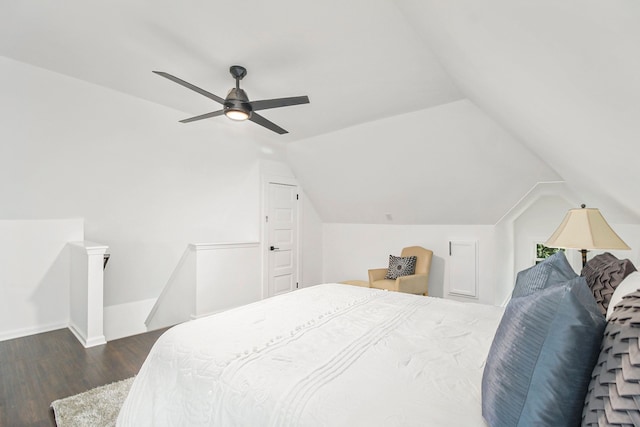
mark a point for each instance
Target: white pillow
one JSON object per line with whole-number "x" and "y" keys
{"x": 631, "y": 283}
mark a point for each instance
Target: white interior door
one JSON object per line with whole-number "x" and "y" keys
{"x": 282, "y": 232}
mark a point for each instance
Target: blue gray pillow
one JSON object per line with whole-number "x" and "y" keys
{"x": 553, "y": 270}
{"x": 540, "y": 362}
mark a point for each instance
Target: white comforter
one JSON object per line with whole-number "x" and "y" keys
{"x": 329, "y": 355}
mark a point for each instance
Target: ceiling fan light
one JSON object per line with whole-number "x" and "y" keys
{"x": 237, "y": 115}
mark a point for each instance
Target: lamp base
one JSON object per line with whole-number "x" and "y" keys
{"x": 584, "y": 257}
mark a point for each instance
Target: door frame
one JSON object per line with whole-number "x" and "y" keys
{"x": 283, "y": 180}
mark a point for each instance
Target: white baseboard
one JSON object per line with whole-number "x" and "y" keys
{"x": 86, "y": 342}
{"x": 23, "y": 332}
{"x": 123, "y": 320}
{"x": 120, "y": 321}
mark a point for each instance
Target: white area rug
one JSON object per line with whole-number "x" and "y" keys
{"x": 97, "y": 407}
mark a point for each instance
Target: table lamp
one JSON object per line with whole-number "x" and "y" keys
{"x": 583, "y": 229}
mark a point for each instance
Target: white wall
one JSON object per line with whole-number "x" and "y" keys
{"x": 537, "y": 224}
{"x": 145, "y": 184}
{"x": 35, "y": 274}
{"x": 209, "y": 278}
{"x": 227, "y": 276}
{"x": 311, "y": 244}
{"x": 542, "y": 218}
{"x": 630, "y": 233}
{"x": 534, "y": 219}
{"x": 350, "y": 250}
{"x": 450, "y": 164}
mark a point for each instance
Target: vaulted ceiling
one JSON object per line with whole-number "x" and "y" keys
{"x": 358, "y": 61}
{"x": 418, "y": 107}
{"x": 562, "y": 76}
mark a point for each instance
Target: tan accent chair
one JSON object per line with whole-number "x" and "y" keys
{"x": 413, "y": 284}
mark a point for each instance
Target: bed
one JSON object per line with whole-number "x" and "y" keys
{"x": 340, "y": 355}
{"x": 328, "y": 355}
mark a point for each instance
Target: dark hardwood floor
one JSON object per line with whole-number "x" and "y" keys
{"x": 38, "y": 369}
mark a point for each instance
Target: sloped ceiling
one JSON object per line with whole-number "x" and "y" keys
{"x": 357, "y": 61}
{"x": 562, "y": 76}
{"x": 450, "y": 164}
{"x": 466, "y": 104}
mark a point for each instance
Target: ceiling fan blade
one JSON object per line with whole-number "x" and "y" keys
{"x": 190, "y": 86}
{"x": 203, "y": 116}
{"x": 257, "y": 118}
{"x": 279, "y": 102}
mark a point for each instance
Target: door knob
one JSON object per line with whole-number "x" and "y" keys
{"x": 273, "y": 248}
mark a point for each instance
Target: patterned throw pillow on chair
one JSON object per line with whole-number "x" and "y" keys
{"x": 401, "y": 266}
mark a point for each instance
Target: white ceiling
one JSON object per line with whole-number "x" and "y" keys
{"x": 446, "y": 165}
{"x": 562, "y": 76}
{"x": 559, "y": 80}
{"x": 357, "y": 61}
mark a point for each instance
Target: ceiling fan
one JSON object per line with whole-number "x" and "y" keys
{"x": 236, "y": 105}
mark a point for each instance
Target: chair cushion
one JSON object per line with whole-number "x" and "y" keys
{"x": 540, "y": 362}
{"x": 604, "y": 273}
{"x": 388, "y": 284}
{"x": 614, "y": 390}
{"x": 551, "y": 271}
{"x": 401, "y": 266}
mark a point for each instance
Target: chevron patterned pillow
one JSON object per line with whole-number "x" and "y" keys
{"x": 613, "y": 398}
{"x": 604, "y": 273}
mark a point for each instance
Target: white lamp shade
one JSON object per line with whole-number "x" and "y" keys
{"x": 585, "y": 228}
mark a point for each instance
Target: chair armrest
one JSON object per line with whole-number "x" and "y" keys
{"x": 413, "y": 284}
{"x": 376, "y": 274}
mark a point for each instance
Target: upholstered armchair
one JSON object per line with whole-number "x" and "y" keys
{"x": 413, "y": 284}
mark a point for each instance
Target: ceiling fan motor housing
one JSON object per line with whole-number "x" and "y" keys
{"x": 237, "y": 100}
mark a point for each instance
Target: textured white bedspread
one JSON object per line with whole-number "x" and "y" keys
{"x": 329, "y": 355}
